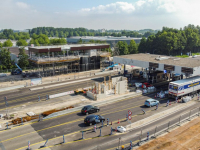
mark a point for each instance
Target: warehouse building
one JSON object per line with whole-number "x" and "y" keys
{"x": 108, "y": 39}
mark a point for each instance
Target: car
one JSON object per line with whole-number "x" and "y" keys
{"x": 151, "y": 102}
{"x": 121, "y": 129}
{"x": 93, "y": 119}
{"x": 146, "y": 85}
{"x": 89, "y": 109}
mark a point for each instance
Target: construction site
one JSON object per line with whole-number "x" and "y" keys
{"x": 56, "y": 60}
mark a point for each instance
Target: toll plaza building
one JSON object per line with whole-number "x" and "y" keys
{"x": 154, "y": 64}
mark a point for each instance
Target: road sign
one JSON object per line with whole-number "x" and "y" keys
{"x": 129, "y": 117}
{"x": 129, "y": 113}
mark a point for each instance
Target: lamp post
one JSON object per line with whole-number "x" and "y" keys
{"x": 119, "y": 142}
{"x": 154, "y": 50}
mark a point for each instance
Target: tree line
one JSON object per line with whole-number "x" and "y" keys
{"x": 68, "y": 32}
{"x": 171, "y": 41}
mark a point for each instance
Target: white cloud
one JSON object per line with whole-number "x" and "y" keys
{"x": 22, "y": 5}
{"x": 118, "y": 7}
{"x": 141, "y": 6}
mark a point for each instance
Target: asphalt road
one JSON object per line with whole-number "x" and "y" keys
{"x": 108, "y": 142}
{"x": 73, "y": 123}
{"x": 25, "y": 95}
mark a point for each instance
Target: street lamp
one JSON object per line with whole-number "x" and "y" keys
{"x": 119, "y": 142}
{"x": 154, "y": 50}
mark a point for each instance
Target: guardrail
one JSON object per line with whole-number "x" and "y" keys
{"x": 147, "y": 134}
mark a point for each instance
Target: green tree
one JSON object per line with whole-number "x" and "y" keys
{"x": 1, "y": 45}
{"x": 7, "y": 43}
{"x": 123, "y": 48}
{"x": 132, "y": 47}
{"x": 5, "y": 59}
{"x": 22, "y": 42}
{"x": 142, "y": 46}
{"x": 80, "y": 41}
{"x": 41, "y": 39}
{"x": 60, "y": 41}
{"x": 23, "y": 58}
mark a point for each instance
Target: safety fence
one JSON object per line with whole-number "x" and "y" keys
{"x": 145, "y": 134}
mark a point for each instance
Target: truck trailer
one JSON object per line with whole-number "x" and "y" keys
{"x": 185, "y": 87}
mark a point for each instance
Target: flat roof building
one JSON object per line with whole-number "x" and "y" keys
{"x": 108, "y": 39}
{"x": 187, "y": 66}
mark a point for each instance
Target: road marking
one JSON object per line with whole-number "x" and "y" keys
{"x": 63, "y": 124}
{"x": 41, "y": 95}
{"x": 70, "y": 113}
{"x": 73, "y": 133}
{"x": 124, "y": 144}
{"x": 77, "y": 141}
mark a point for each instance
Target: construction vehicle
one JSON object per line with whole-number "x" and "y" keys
{"x": 109, "y": 67}
{"x": 16, "y": 71}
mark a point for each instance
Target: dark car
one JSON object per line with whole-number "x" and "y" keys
{"x": 93, "y": 119}
{"x": 89, "y": 109}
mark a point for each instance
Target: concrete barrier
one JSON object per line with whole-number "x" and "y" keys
{"x": 38, "y": 88}
{"x": 157, "y": 116}
{"x": 11, "y": 88}
{"x": 61, "y": 94}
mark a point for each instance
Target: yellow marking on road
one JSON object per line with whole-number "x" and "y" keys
{"x": 66, "y": 114}
{"x": 72, "y": 134}
{"x": 60, "y": 125}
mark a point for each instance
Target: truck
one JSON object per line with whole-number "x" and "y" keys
{"x": 184, "y": 87}
{"x": 16, "y": 71}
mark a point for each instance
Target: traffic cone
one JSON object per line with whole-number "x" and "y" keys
{"x": 155, "y": 95}
{"x": 169, "y": 103}
{"x": 118, "y": 121}
{"x": 116, "y": 129}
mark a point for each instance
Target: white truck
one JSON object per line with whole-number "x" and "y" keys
{"x": 185, "y": 87}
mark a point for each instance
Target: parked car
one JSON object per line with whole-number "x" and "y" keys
{"x": 146, "y": 85}
{"x": 121, "y": 129}
{"x": 93, "y": 119}
{"x": 89, "y": 109}
{"x": 151, "y": 102}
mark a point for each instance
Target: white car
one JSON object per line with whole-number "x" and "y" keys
{"x": 121, "y": 129}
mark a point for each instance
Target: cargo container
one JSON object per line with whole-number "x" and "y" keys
{"x": 180, "y": 88}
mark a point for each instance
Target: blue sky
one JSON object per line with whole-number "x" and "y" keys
{"x": 99, "y": 14}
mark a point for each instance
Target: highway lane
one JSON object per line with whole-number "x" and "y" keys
{"x": 14, "y": 93}
{"x": 65, "y": 125}
{"x": 33, "y": 95}
{"x": 111, "y": 142}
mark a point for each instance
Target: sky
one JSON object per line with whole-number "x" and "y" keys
{"x": 99, "y": 14}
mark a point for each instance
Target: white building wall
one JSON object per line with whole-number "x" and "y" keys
{"x": 144, "y": 64}
{"x": 196, "y": 71}
{"x": 177, "y": 70}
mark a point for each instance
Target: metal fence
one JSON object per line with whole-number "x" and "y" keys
{"x": 160, "y": 129}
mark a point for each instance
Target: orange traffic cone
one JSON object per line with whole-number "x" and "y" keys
{"x": 118, "y": 121}
{"x": 169, "y": 103}
{"x": 116, "y": 129}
